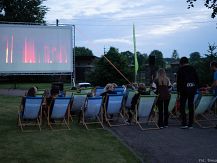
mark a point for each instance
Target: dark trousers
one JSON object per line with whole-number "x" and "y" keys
{"x": 163, "y": 112}
{"x": 183, "y": 99}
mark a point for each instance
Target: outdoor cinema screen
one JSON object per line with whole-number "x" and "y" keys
{"x": 35, "y": 49}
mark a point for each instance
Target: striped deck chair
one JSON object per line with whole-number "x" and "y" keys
{"x": 59, "y": 112}
{"x": 205, "y": 104}
{"x": 91, "y": 111}
{"x": 113, "y": 107}
{"x": 31, "y": 112}
{"x": 144, "y": 110}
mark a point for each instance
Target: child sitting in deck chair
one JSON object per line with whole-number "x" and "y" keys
{"x": 141, "y": 91}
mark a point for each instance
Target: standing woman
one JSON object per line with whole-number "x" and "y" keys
{"x": 162, "y": 87}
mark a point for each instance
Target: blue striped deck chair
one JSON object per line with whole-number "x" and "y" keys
{"x": 30, "y": 112}
{"x": 99, "y": 91}
{"x": 144, "y": 111}
{"x": 205, "y": 104}
{"x": 113, "y": 107}
{"x": 91, "y": 111}
{"x": 59, "y": 112}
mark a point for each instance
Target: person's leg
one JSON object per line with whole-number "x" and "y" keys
{"x": 182, "y": 109}
{"x": 160, "y": 112}
{"x": 166, "y": 114}
{"x": 191, "y": 110}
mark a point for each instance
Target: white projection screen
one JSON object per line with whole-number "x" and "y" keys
{"x": 35, "y": 49}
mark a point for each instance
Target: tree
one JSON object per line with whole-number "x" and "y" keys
{"x": 82, "y": 51}
{"x": 175, "y": 55}
{"x": 195, "y": 57}
{"x": 22, "y": 11}
{"x": 159, "y": 61}
{"x": 104, "y": 73}
{"x": 210, "y": 4}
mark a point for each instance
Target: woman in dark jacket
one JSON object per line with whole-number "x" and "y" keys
{"x": 162, "y": 87}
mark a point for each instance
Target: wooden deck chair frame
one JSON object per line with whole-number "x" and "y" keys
{"x": 204, "y": 105}
{"x": 144, "y": 109}
{"x": 31, "y": 111}
{"x": 78, "y": 100}
{"x": 92, "y": 108}
{"x": 114, "y": 101}
{"x": 60, "y": 117}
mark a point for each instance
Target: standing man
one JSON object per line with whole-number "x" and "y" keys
{"x": 187, "y": 84}
{"x": 213, "y": 67}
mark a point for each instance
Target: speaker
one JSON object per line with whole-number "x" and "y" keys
{"x": 151, "y": 60}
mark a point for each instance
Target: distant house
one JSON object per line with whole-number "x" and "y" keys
{"x": 84, "y": 65}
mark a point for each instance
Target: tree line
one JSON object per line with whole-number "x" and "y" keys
{"x": 124, "y": 61}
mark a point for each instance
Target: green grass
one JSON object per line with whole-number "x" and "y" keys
{"x": 75, "y": 145}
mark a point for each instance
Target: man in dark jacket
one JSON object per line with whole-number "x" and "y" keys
{"x": 187, "y": 84}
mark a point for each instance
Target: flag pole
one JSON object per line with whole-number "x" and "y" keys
{"x": 136, "y": 66}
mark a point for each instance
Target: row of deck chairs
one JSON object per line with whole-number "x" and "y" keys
{"x": 95, "y": 110}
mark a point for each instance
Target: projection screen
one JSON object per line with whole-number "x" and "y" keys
{"x": 35, "y": 49}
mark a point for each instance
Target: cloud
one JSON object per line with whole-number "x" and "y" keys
{"x": 72, "y": 9}
{"x": 113, "y": 40}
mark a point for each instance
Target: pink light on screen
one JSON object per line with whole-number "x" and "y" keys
{"x": 29, "y": 52}
{"x": 6, "y": 53}
{"x": 46, "y": 54}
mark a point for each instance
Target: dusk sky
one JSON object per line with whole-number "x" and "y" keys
{"x": 162, "y": 25}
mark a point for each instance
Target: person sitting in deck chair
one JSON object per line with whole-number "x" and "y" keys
{"x": 141, "y": 91}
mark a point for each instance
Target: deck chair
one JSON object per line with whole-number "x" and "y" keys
{"x": 128, "y": 101}
{"x": 99, "y": 90}
{"x": 31, "y": 112}
{"x": 59, "y": 112}
{"x": 112, "y": 107}
{"x": 78, "y": 100}
{"x": 205, "y": 104}
{"x": 91, "y": 111}
{"x": 144, "y": 111}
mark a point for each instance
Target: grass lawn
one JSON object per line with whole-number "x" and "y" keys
{"x": 76, "y": 145}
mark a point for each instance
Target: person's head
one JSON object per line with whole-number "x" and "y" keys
{"x": 141, "y": 87}
{"x": 162, "y": 77}
{"x": 114, "y": 85}
{"x": 213, "y": 65}
{"x": 109, "y": 87}
{"x": 183, "y": 61}
{"x": 32, "y": 91}
{"x": 54, "y": 92}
